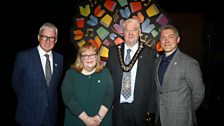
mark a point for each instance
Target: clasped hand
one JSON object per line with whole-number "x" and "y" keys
{"x": 92, "y": 121}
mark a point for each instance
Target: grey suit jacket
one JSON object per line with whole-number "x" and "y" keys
{"x": 181, "y": 93}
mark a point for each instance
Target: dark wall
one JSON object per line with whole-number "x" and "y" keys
{"x": 191, "y": 28}
{"x": 20, "y": 23}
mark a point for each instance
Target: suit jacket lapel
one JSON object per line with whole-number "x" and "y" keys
{"x": 169, "y": 71}
{"x": 55, "y": 67}
{"x": 37, "y": 63}
{"x": 140, "y": 68}
{"x": 158, "y": 61}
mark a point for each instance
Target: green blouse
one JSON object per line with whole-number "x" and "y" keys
{"x": 87, "y": 93}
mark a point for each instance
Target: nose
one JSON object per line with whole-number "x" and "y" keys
{"x": 130, "y": 32}
{"x": 47, "y": 40}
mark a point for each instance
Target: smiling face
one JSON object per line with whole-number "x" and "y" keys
{"x": 132, "y": 32}
{"x": 89, "y": 59}
{"x": 169, "y": 39}
{"x": 47, "y": 39}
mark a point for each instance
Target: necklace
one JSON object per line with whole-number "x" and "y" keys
{"x": 128, "y": 67}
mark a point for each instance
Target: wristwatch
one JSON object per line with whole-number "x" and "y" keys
{"x": 101, "y": 117}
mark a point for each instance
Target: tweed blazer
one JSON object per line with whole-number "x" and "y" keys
{"x": 181, "y": 93}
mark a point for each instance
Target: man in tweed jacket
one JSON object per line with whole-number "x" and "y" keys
{"x": 180, "y": 87}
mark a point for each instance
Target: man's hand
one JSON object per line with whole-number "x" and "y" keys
{"x": 150, "y": 119}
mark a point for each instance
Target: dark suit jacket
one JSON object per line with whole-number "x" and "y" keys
{"x": 34, "y": 97}
{"x": 144, "y": 94}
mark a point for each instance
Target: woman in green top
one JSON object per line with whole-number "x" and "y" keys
{"x": 87, "y": 90}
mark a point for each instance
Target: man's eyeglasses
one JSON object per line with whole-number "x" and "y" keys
{"x": 45, "y": 38}
{"x": 91, "y": 56}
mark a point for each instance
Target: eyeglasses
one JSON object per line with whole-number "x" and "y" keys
{"x": 45, "y": 38}
{"x": 91, "y": 56}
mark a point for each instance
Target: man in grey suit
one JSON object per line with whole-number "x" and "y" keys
{"x": 180, "y": 87}
{"x": 132, "y": 110}
{"x": 36, "y": 94}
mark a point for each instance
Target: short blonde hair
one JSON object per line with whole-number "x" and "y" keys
{"x": 78, "y": 66}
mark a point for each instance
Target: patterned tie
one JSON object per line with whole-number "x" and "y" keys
{"x": 126, "y": 81}
{"x": 48, "y": 70}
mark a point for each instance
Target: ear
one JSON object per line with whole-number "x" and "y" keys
{"x": 178, "y": 39}
{"x": 56, "y": 40}
{"x": 140, "y": 32}
{"x": 38, "y": 37}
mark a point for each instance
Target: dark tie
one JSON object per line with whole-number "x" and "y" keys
{"x": 126, "y": 81}
{"x": 48, "y": 70}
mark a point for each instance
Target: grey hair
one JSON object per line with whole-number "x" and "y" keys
{"x": 131, "y": 20}
{"x": 48, "y": 25}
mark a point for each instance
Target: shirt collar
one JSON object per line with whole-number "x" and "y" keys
{"x": 42, "y": 52}
{"x": 133, "y": 49}
{"x": 168, "y": 58}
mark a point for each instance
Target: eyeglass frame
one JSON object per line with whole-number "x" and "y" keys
{"x": 46, "y": 38}
{"x": 91, "y": 56}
